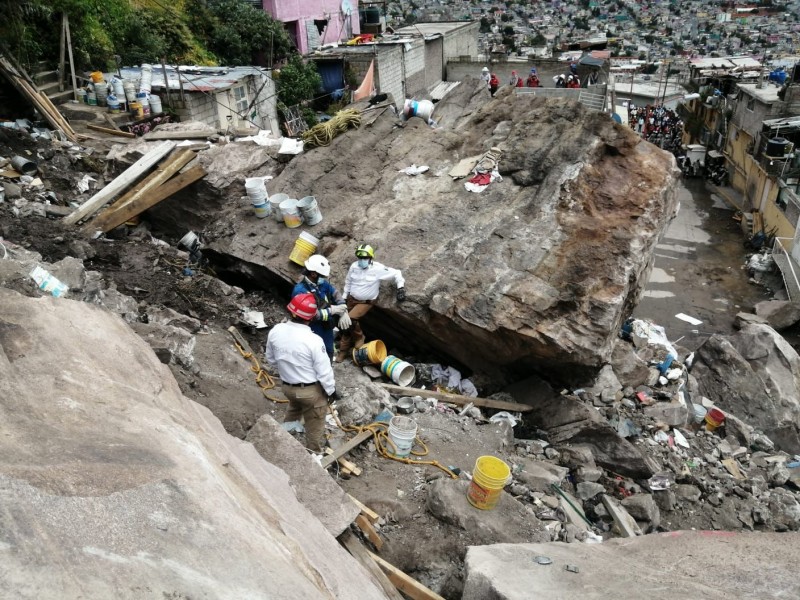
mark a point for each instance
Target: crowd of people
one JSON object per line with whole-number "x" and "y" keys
{"x": 657, "y": 124}
{"x": 493, "y": 83}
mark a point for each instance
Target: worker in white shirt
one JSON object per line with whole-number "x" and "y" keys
{"x": 304, "y": 368}
{"x": 361, "y": 288}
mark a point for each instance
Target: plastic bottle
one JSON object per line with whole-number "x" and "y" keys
{"x": 48, "y": 283}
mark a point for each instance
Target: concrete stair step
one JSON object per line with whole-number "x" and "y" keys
{"x": 44, "y": 77}
{"x": 49, "y": 87}
{"x": 60, "y": 97}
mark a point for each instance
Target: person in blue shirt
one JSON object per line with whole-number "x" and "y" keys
{"x": 331, "y": 307}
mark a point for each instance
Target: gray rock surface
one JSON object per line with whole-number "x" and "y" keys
{"x": 629, "y": 368}
{"x": 114, "y": 485}
{"x": 171, "y": 344}
{"x": 510, "y": 521}
{"x": 314, "y": 487}
{"x": 756, "y": 375}
{"x": 780, "y": 314}
{"x": 539, "y": 475}
{"x": 587, "y": 489}
{"x": 543, "y": 279}
{"x": 643, "y": 507}
{"x": 757, "y": 567}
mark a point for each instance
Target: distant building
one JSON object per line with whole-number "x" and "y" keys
{"x": 312, "y": 23}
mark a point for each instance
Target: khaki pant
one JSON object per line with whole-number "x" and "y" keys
{"x": 311, "y": 403}
{"x": 354, "y": 337}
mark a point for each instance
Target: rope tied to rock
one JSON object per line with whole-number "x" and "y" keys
{"x": 322, "y": 134}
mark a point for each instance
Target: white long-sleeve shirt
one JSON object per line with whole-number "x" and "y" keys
{"x": 299, "y": 355}
{"x": 365, "y": 284}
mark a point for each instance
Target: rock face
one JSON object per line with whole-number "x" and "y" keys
{"x": 756, "y": 375}
{"x": 536, "y": 271}
{"x": 114, "y": 485}
{"x": 508, "y": 571}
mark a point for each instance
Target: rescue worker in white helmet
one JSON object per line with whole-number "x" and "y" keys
{"x": 304, "y": 368}
{"x": 361, "y": 288}
{"x": 331, "y": 308}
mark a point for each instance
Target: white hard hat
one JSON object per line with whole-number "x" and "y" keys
{"x": 318, "y": 264}
{"x": 485, "y": 69}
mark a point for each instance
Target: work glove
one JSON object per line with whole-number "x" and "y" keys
{"x": 401, "y": 294}
{"x": 338, "y": 309}
{"x": 345, "y": 322}
{"x": 334, "y": 397}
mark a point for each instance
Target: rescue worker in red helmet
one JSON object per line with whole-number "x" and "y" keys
{"x": 304, "y": 368}
{"x": 361, "y": 288}
{"x": 494, "y": 83}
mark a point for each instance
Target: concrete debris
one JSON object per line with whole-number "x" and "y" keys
{"x": 171, "y": 344}
{"x": 779, "y": 314}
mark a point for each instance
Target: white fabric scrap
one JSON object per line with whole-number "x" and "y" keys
{"x": 262, "y": 138}
{"x": 477, "y": 189}
{"x": 680, "y": 439}
{"x": 290, "y": 146}
{"x": 414, "y": 170}
{"x": 504, "y": 416}
{"x": 83, "y": 184}
{"x": 254, "y": 318}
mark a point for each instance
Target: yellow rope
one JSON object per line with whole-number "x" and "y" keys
{"x": 263, "y": 379}
{"x": 322, "y": 134}
{"x": 380, "y": 435}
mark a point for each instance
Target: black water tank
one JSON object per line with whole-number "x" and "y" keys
{"x": 372, "y": 15}
{"x": 777, "y": 147}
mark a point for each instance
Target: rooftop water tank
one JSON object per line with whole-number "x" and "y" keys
{"x": 777, "y": 147}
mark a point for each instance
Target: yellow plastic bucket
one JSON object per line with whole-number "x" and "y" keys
{"x": 372, "y": 353}
{"x": 97, "y": 76}
{"x": 304, "y": 246}
{"x": 490, "y": 477}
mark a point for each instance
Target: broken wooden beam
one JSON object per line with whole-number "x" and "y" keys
{"x": 456, "y": 399}
{"x": 345, "y": 448}
{"x": 109, "y": 131}
{"x": 366, "y": 527}
{"x": 356, "y": 549}
{"x": 365, "y": 510}
{"x": 121, "y": 183}
{"x": 179, "y": 135}
{"x": 405, "y": 583}
{"x": 347, "y": 467}
{"x": 152, "y": 191}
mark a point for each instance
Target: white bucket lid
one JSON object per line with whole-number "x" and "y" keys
{"x": 304, "y": 235}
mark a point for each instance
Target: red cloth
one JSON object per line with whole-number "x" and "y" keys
{"x": 481, "y": 179}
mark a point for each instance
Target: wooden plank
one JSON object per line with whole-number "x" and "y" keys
{"x": 406, "y": 584}
{"x": 456, "y": 399}
{"x": 364, "y": 525}
{"x": 121, "y": 183}
{"x": 150, "y": 197}
{"x": 362, "y": 555}
{"x": 179, "y": 135}
{"x": 365, "y": 510}
{"x": 71, "y": 60}
{"x": 345, "y": 448}
{"x": 110, "y": 131}
{"x": 111, "y": 122}
{"x": 350, "y": 466}
{"x": 62, "y": 48}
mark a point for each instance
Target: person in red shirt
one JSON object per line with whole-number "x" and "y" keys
{"x": 533, "y": 80}
{"x": 494, "y": 83}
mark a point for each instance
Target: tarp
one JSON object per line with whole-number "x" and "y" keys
{"x": 591, "y": 61}
{"x": 367, "y": 87}
{"x": 332, "y": 73}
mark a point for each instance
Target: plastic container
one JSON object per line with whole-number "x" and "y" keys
{"x": 309, "y": 210}
{"x": 118, "y": 87}
{"x": 190, "y": 241}
{"x": 136, "y": 110}
{"x": 373, "y": 353}
{"x": 24, "y": 165}
{"x": 291, "y": 214}
{"x": 113, "y": 103}
{"x": 402, "y": 431}
{"x": 422, "y": 109}
{"x": 714, "y": 418}
{"x": 305, "y": 245}
{"x": 48, "y": 283}
{"x": 275, "y": 201}
{"x": 143, "y": 99}
{"x": 81, "y": 95}
{"x": 101, "y": 92}
{"x": 146, "y": 80}
{"x": 91, "y": 99}
{"x": 700, "y": 413}
{"x": 488, "y": 480}
{"x": 97, "y": 76}
{"x": 155, "y": 104}
{"x": 261, "y": 210}
{"x": 129, "y": 91}
{"x": 399, "y": 371}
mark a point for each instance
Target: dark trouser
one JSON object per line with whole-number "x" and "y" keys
{"x": 326, "y": 333}
{"x": 354, "y": 337}
{"x": 311, "y": 403}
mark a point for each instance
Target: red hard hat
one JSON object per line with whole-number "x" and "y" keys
{"x": 303, "y": 306}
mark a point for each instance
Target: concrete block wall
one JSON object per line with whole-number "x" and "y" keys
{"x": 202, "y": 108}
{"x": 434, "y": 63}
{"x": 414, "y": 66}
{"x": 266, "y": 104}
{"x": 462, "y": 41}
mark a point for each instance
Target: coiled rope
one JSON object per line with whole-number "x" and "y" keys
{"x": 263, "y": 379}
{"x": 322, "y": 134}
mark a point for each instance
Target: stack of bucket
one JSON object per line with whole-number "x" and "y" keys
{"x": 488, "y": 480}
{"x": 305, "y": 245}
{"x": 257, "y": 193}
{"x": 399, "y": 371}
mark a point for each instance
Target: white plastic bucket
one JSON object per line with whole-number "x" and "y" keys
{"x": 402, "y": 431}
{"x": 275, "y": 201}
{"x": 309, "y": 210}
{"x": 254, "y": 184}
{"x": 291, "y": 214}
{"x": 113, "y": 103}
{"x": 261, "y": 210}
{"x": 130, "y": 91}
{"x": 119, "y": 87}
{"x": 101, "y": 93}
{"x": 418, "y": 108}
{"x": 155, "y": 104}
{"x": 399, "y": 371}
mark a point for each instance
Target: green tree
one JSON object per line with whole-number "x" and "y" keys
{"x": 486, "y": 25}
{"x": 508, "y": 30}
{"x": 297, "y": 82}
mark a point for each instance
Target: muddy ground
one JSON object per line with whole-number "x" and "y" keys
{"x": 154, "y": 274}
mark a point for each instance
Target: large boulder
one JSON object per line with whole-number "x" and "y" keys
{"x": 756, "y": 375}
{"x": 755, "y": 566}
{"x": 114, "y": 485}
{"x": 537, "y": 271}
{"x": 779, "y": 314}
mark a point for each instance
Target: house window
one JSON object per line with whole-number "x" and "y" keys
{"x": 751, "y": 104}
{"x": 240, "y": 102}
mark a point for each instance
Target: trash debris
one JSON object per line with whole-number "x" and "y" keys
{"x": 543, "y": 560}
{"x": 659, "y": 481}
{"x": 295, "y": 426}
{"x": 48, "y": 283}
{"x": 572, "y": 568}
{"x": 688, "y": 319}
{"x": 254, "y": 319}
{"x": 290, "y": 146}
{"x": 505, "y": 417}
{"x": 414, "y": 170}
{"x": 680, "y": 439}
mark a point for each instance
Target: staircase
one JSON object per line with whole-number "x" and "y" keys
{"x": 50, "y": 82}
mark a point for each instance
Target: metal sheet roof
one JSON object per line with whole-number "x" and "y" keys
{"x": 442, "y": 89}
{"x": 193, "y": 78}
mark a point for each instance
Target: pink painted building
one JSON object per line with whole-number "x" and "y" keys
{"x": 312, "y": 23}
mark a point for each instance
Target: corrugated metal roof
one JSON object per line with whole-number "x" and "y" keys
{"x": 442, "y": 89}
{"x": 193, "y": 78}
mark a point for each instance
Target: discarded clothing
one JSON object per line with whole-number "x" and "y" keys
{"x": 414, "y": 170}
{"x": 481, "y": 181}
{"x": 451, "y": 379}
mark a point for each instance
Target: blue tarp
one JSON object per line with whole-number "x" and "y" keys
{"x": 332, "y": 73}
